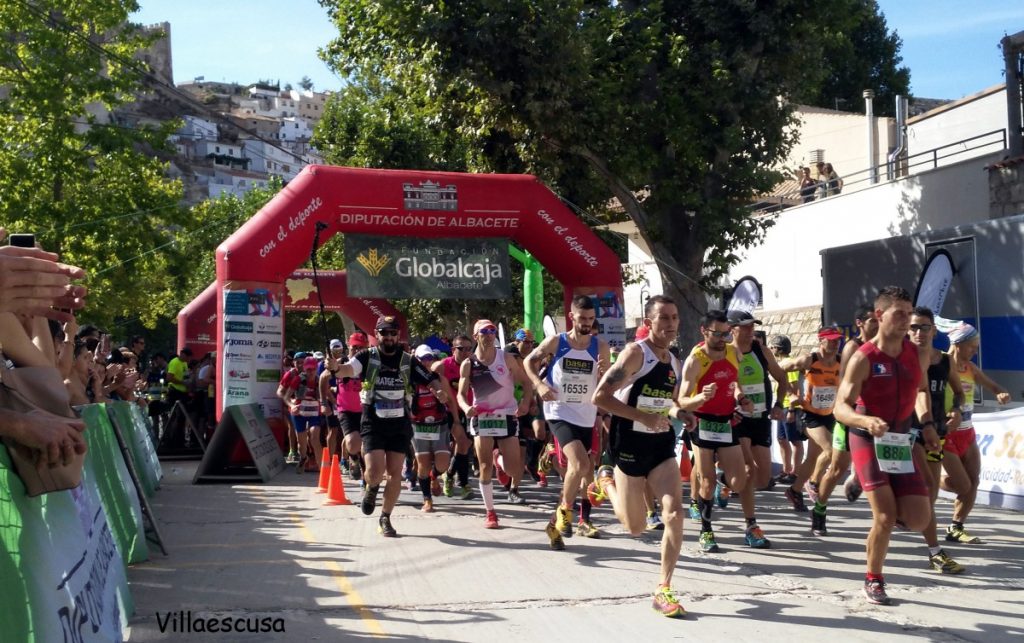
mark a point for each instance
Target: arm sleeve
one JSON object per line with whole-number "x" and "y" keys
{"x": 359, "y": 362}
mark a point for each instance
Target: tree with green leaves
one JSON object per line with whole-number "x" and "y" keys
{"x": 87, "y": 186}
{"x": 676, "y": 109}
{"x": 859, "y": 52}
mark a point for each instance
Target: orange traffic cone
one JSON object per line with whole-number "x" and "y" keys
{"x": 335, "y": 489}
{"x": 325, "y": 471}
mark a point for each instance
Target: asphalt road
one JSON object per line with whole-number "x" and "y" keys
{"x": 272, "y": 557}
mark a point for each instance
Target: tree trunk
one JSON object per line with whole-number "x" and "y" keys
{"x": 680, "y": 271}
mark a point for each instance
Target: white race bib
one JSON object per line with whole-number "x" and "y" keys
{"x": 426, "y": 431}
{"x": 755, "y": 393}
{"x": 711, "y": 431}
{"x": 651, "y": 404}
{"x": 390, "y": 404}
{"x": 823, "y": 398}
{"x": 309, "y": 408}
{"x": 967, "y": 412}
{"x": 895, "y": 453}
{"x": 576, "y": 388}
{"x": 492, "y": 425}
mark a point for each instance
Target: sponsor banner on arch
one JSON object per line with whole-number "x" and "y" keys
{"x": 252, "y": 343}
{"x": 404, "y": 268}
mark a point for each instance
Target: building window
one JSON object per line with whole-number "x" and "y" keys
{"x": 217, "y": 149}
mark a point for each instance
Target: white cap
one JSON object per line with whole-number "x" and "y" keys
{"x": 424, "y": 351}
{"x": 318, "y": 354}
{"x": 336, "y": 343}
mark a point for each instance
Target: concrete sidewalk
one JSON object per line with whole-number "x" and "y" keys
{"x": 272, "y": 552}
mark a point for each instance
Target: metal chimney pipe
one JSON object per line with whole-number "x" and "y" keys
{"x": 893, "y": 166}
{"x": 1013, "y": 46}
{"x": 869, "y": 111}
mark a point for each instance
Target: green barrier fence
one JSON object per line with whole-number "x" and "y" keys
{"x": 105, "y": 468}
{"x": 61, "y": 578}
{"x": 132, "y": 423}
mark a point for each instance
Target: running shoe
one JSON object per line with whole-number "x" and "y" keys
{"x": 355, "y": 470}
{"x": 786, "y": 478}
{"x": 941, "y": 562}
{"x": 956, "y": 534}
{"x": 369, "y": 501}
{"x": 874, "y": 590}
{"x": 491, "y": 521}
{"x": 563, "y": 521}
{"x": 812, "y": 490}
{"x": 596, "y": 490}
{"x": 448, "y": 484}
{"x": 428, "y": 506}
{"x": 587, "y": 530}
{"x": 514, "y": 498}
{"x": 722, "y": 494}
{"x": 852, "y": 489}
{"x": 292, "y": 458}
{"x": 666, "y": 603}
{"x": 385, "y": 529}
{"x": 707, "y": 542}
{"x": 542, "y": 479}
{"x": 301, "y": 466}
{"x": 466, "y": 492}
{"x": 818, "y": 527}
{"x": 556, "y": 538}
{"x": 544, "y": 461}
{"x": 654, "y": 521}
{"x": 435, "y": 484}
{"x": 797, "y": 499}
{"x": 694, "y": 510}
{"x": 755, "y": 538}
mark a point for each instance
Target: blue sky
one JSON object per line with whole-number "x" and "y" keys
{"x": 951, "y": 46}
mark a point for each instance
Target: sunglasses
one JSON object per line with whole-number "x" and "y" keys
{"x": 721, "y": 334}
{"x": 388, "y": 333}
{"x": 920, "y": 328}
{"x": 462, "y": 348}
{"x": 487, "y": 331}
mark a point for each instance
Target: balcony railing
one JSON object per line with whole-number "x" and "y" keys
{"x": 905, "y": 166}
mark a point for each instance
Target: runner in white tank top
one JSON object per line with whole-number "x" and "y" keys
{"x": 577, "y": 361}
{"x": 492, "y": 414}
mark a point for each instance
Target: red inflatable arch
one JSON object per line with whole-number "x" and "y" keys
{"x": 197, "y": 322}
{"x": 254, "y": 262}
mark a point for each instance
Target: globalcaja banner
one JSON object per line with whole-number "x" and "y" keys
{"x": 404, "y": 268}
{"x": 63, "y": 579}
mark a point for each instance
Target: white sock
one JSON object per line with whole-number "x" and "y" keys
{"x": 487, "y": 491}
{"x": 932, "y": 551}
